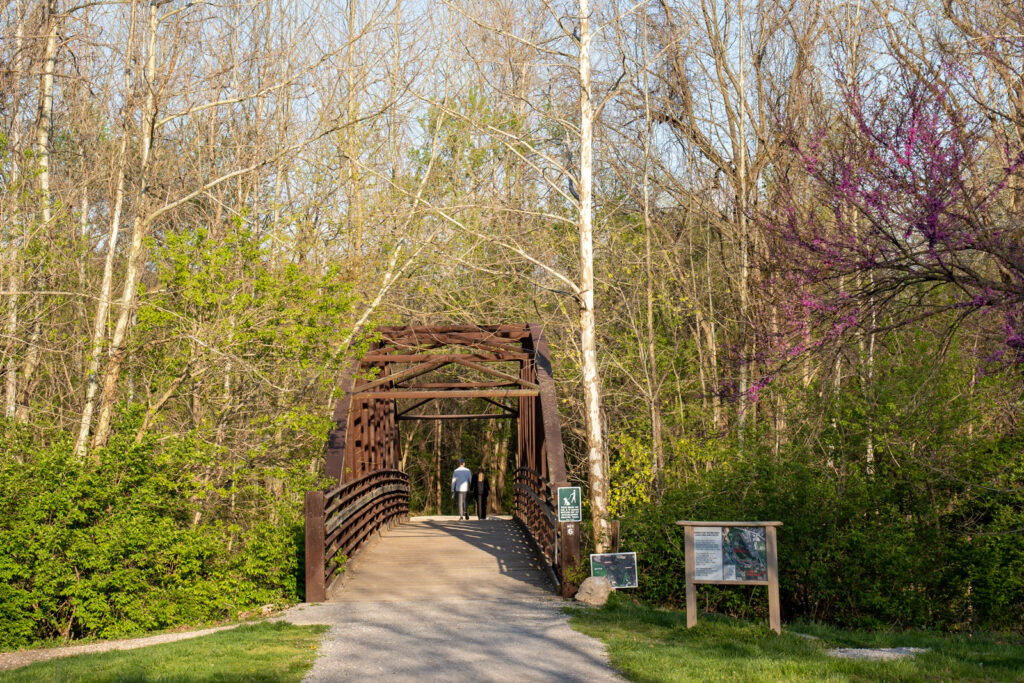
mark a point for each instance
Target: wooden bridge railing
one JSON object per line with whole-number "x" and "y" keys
{"x": 341, "y": 519}
{"x": 365, "y": 446}
{"x": 541, "y": 468}
{"x": 535, "y": 509}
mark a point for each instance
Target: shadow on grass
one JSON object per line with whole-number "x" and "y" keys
{"x": 260, "y": 652}
{"x": 649, "y": 644}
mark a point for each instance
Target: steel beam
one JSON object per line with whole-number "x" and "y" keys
{"x": 449, "y": 393}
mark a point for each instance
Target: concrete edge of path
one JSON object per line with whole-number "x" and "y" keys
{"x": 15, "y": 659}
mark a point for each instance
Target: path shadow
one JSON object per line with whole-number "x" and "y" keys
{"x": 504, "y": 539}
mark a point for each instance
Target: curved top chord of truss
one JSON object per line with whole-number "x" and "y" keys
{"x": 390, "y": 384}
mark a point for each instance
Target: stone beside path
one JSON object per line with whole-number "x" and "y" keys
{"x": 441, "y": 599}
{"x": 878, "y": 654}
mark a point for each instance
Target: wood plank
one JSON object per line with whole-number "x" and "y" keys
{"x": 436, "y": 558}
{"x": 689, "y": 560}
{"x": 316, "y": 588}
{"x": 568, "y": 555}
{"x": 774, "y": 611}
{"x": 442, "y": 393}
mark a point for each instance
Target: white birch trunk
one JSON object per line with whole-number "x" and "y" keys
{"x": 657, "y": 447}
{"x": 102, "y": 310}
{"x": 43, "y": 125}
{"x": 92, "y": 381}
{"x": 598, "y": 474}
{"x": 118, "y": 339}
{"x": 14, "y": 243}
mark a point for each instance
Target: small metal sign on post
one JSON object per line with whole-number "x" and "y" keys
{"x": 732, "y": 553}
{"x": 570, "y": 504}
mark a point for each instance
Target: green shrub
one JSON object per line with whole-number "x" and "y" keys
{"x": 900, "y": 546}
{"x": 116, "y": 547}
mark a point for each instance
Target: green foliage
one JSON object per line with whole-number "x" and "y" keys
{"x": 904, "y": 546}
{"x": 649, "y": 644}
{"x": 925, "y": 534}
{"x": 114, "y": 548}
{"x": 258, "y": 652}
{"x": 629, "y": 472}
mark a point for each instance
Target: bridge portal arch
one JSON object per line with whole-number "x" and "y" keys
{"x": 364, "y": 450}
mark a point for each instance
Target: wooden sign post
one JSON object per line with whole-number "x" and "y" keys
{"x": 732, "y": 553}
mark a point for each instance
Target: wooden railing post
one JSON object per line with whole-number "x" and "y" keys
{"x": 568, "y": 555}
{"x": 316, "y": 589}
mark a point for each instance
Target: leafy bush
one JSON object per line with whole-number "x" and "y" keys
{"x": 898, "y": 547}
{"x": 117, "y": 547}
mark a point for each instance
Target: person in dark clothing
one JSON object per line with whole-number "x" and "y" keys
{"x": 481, "y": 488}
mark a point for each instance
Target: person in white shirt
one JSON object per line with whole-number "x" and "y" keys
{"x": 461, "y": 479}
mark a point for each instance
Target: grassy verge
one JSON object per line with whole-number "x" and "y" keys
{"x": 261, "y": 652}
{"x": 649, "y": 644}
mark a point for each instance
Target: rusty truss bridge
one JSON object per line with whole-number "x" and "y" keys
{"x": 364, "y": 452}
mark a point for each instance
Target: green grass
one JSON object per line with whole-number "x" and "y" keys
{"x": 260, "y": 652}
{"x": 649, "y": 644}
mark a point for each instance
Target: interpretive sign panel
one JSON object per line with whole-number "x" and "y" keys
{"x": 618, "y": 568}
{"x": 723, "y": 553}
{"x": 743, "y": 553}
{"x": 570, "y": 504}
{"x": 707, "y": 551}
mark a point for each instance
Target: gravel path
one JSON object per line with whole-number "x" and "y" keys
{"x": 432, "y": 599}
{"x": 452, "y": 640}
{"x": 440, "y": 599}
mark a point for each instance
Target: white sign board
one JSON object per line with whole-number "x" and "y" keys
{"x": 707, "y": 551}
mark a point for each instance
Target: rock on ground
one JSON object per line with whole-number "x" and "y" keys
{"x": 594, "y": 591}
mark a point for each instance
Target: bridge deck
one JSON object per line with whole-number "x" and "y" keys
{"x": 436, "y": 599}
{"x": 438, "y": 558}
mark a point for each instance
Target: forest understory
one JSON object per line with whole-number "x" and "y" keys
{"x": 777, "y": 250}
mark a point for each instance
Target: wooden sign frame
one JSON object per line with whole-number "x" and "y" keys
{"x": 771, "y": 543}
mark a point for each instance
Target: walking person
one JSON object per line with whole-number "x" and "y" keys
{"x": 461, "y": 479}
{"x": 482, "y": 488}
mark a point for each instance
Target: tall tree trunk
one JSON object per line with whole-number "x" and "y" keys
{"x": 437, "y": 464}
{"x": 118, "y": 345}
{"x": 43, "y": 126}
{"x": 355, "y": 211}
{"x": 740, "y": 154}
{"x": 17, "y": 231}
{"x": 45, "y": 120}
{"x": 92, "y": 370}
{"x": 499, "y": 464}
{"x": 597, "y": 472}
{"x": 99, "y": 328}
{"x": 653, "y": 402}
